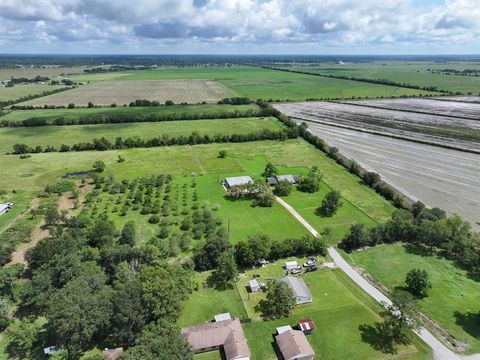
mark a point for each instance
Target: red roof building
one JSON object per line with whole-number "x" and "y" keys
{"x": 306, "y": 325}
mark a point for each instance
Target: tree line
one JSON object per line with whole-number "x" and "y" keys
{"x": 5, "y": 103}
{"x": 103, "y": 144}
{"x": 430, "y": 229}
{"x": 120, "y": 118}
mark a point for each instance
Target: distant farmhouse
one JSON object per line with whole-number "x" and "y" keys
{"x": 224, "y": 333}
{"x": 292, "y": 179}
{"x": 236, "y": 181}
{"x": 4, "y": 208}
{"x": 294, "y": 345}
{"x": 300, "y": 290}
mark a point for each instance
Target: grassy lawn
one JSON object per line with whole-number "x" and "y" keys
{"x": 211, "y": 355}
{"x": 258, "y": 83}
{"x": 453, "y": 299}
{"x": 205, "y": 303}
{"x": 29, "y": 176}
{"x": 20, "y": 91}
{"x": 338, "y": 309}
{"x": 77, "y": 113}
{"x": 70, "y": 135}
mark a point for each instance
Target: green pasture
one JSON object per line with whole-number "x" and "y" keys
{"x": 29, "y": 176}
{"x": 258, "y": 83}
{"x": 20, "y": 91}
{"x": 453, "y": 301}
{"x": 73, "y": 134}
{"x": 78, "y": 113}
{"x": 414, "y": 73}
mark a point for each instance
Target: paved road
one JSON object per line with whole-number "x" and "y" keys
{"x": 440, "y": 351}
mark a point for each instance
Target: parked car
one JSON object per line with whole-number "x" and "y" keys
{"x": 311, "y": 268}
{"x": 296, "y": 270}
{"x": 308, "y": 263}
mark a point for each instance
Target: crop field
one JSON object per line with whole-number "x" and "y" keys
{"x": 78, "y": 113}
{"x": 467, "y": 110}
{"x": 19, "y": 91}
{"x": 258, "y": 83}
{"x": 338, "y": 309}
{"x": 70, "y": 135}
{"x": 437, "y": 176}
{"x": 414, "y": 73}
{"x": 472, "y": 99}
{"x": 433, "y": 128}
{"x": 123, "y": 92}
{"x": 453, "y": 298}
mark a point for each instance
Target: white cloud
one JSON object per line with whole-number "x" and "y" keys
{"x": 332, "y": 23}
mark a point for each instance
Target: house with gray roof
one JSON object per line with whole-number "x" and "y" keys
{"x": 300, "y": 290}
{"x": 274, "y": 180}
{"x": 236, "y": 181}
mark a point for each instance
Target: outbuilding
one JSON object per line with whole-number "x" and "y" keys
{"x": 236, "y": 181}
{"x": 300, "y": 290}
{"x": 254, "y": 286}
{"x": 306, "y": 325}
{"x": 274, "y": 180}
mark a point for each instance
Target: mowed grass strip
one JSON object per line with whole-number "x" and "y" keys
{"x": 259, "y": 83}
{"x": 79, "y": 113}
{"x": 453, "y": 299}
{"x": 69, "y": 135}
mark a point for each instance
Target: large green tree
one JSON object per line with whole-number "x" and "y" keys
{"x": 226, "y": 273}
{"x": 330, "y": 204}
{"x": 278, "y": 303}
{"x": 418, "y": 282}
{"x": 79, "y": 311}
{"x": 22, "y": 334}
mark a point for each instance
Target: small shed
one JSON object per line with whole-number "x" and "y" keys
{"x": 290, "y": 265}
{"x": 306, "y": 325}
{"x": 254, "y": 286}
{"x": 222, "y": 317}
{"x": 282, "y": 329}
{"x": 50, "y": 350}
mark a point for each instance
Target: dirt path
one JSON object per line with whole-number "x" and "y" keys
{"x": 40, "y": 232}
{"x": 440, "y": 351}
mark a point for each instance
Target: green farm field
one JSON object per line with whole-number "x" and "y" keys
{"x": 414, "y": 73}
{"x": 69, "y": 135}
{"x": 29, "y": 176}
{"x": 78, "y": 113}
{"x": 258, "y": 83}
{"x": 338, "y": 309}
{"x": 453, "y": 298}
{"x": 20, "y": 91}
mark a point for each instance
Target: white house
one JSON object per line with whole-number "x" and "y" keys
{"x": 300, "y": 290}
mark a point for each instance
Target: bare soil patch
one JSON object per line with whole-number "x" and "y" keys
{"x": 126, "y": 91}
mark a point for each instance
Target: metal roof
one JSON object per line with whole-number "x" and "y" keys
{"x": 238, "y": 180}
{"x": 298, "y": 286}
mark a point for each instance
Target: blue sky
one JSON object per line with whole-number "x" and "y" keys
{"x": 240, "y": 26}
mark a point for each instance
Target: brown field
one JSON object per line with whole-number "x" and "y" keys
{"x": 437, "y": 176}
{"x": 52, "y": 71}
{"x": 458, "y": 133}
{"x": 123, "y": 92}
{"x": 436, "y": 106}
{"x": 467, "y": 99}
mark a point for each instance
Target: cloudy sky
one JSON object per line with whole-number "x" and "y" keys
{"x": 240, "y": 26}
